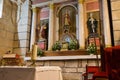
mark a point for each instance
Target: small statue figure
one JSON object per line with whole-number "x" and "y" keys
{"x": 67, "y": 21}
{"x": 43, "y": 31}
{"x": 92, "y": 24}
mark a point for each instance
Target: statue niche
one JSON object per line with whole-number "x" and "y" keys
{"x": 43, "y": 35}
{"x": 67, "y": 24}
{"x": 67, "y": 20}
{"x": 93, "y": 24}
{"x": 93, "y": 29}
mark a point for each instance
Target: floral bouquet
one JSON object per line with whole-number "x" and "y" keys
{"x": 39, "y": 52}
{"x": 91, "y": 49}
{"x": 72, "y": 45}
{"x": 56, "y": 46}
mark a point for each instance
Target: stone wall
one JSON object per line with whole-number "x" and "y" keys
{"x": 7, "y": 26}
{"x": 116, "y": 20}
{"x": 71, "y": 69}
{"x": 22, "y": 32}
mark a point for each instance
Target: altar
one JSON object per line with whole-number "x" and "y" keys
{"x": 30, "y": 73}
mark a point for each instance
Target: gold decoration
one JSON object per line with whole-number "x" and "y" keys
{"x": 108, "y": 45}
{"x": 51, "y": 5}
{"x": 34, "y": 52}
{"x": 80, "y": 1}
{"x": 82, "y": 47}
{"x": 34, "y": 55}
{"x": 34, "y": 9}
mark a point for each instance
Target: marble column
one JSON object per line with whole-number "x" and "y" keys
{"x": 106, "y": 24}
{"x": 81, "y": 24}
{"x": 33, "y": 28}
{"x": 50, "y": 37}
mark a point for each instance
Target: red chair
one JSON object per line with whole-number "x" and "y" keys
{"x": 90, "y": 70}
{"x": 112, "y": 64}
{"x": 115, "y": 70}
{"x": 97, "y": 73}
{"x": 107, "y": 57}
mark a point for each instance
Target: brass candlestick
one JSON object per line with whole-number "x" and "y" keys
{"x": 34, "y": 55}
{"x": 33, "y": 63}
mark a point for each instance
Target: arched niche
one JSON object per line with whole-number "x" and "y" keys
{"x": 71, "y": 11}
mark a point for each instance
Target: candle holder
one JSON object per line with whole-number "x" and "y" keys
{"x": 34, "y": 55}
{"x": 33, "y": 63}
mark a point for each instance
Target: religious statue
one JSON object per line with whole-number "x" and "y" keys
{"x": 67, "y": 21}
{"x": 66, "y": 18}
{"x": 92, "y": 24}
{"x": 43, "y": 31}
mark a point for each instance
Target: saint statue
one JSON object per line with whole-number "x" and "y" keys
{"x": 43, "y": 31}
{"x": 92, "y": 24}
{"x": 66, "y": 18}
{"x": 67, "y": 21}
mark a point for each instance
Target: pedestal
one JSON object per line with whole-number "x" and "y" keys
{"x": 42, "y": 44}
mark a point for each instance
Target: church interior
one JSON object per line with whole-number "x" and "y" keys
{"x": 59, "y": 39}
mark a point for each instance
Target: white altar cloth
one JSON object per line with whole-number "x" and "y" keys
{"x": 30, "y": 73}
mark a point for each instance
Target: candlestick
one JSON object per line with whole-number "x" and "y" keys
{"x": 34, "y": 52}
{"x": 34, "y": 55}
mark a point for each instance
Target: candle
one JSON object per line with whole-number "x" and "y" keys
{"x": 34, "y": 52}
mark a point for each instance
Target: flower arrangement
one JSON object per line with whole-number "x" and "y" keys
{"x": 56, "y": 46}
{"x": 72, "y": 45}
{"x": 91, "y": 49}
{"x": 39, "y": 52}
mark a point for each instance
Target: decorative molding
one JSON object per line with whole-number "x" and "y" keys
{"x": 35, "y": 9}
{"x": 80, "y": 1}
{"x": 51, "y": 5}
{"x": 108, "y": 45}
{"x": 65, "y": 6}
{"x": 18, "y": 2}
{"x": 47, "y": 3}
{"x": 65, "y": 57}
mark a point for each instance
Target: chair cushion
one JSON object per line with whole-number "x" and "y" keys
{"x": 115, "y": 74}
{"x": 100, "y": 75}
{"x": 92, "y": 69}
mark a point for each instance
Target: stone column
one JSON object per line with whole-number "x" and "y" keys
{"x": 106, "y": 24}
{"x": 57, "y": 29}
{"x": 50, "y": 37}
{"x": 33, "y": 29}
{"x": 81, "y": 24}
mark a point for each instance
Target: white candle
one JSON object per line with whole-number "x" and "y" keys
{"x": 34, "y": 52}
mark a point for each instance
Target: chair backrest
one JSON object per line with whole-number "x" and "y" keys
{"x": 112, "y": 58}
{"x": 107, "y": 56}
{"x": 116, "y": 58}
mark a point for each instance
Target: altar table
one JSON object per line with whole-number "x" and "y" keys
{"x": 30, "y": 73}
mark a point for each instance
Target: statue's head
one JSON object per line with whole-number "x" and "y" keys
{"x": 91, "y": 15}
